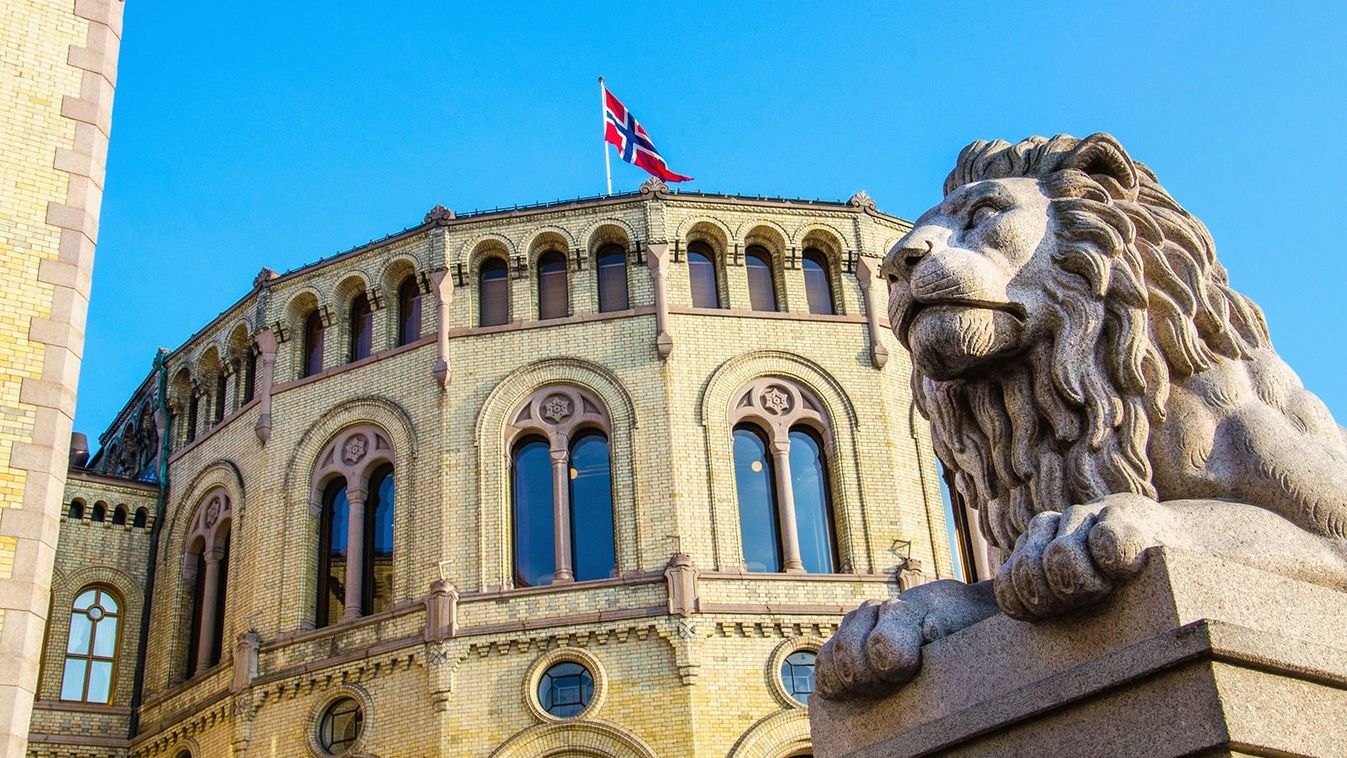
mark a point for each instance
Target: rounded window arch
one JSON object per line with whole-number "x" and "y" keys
{"x": 612, "y": 273}
{"x": 409, "y": 310}
{"x": 91, "y": 654}
{"x": 493, "y": 292}
{"x": 361, "y": 328}
{"x": 703, "y": 276}
{"x": 561, "y": 488}
{"x": 99, "y": 513}
{"x": 76, "y": 512}
{"x": 818, "y": 288}
{"x": 142, "y": 517}
{"x": 119, "y": 515}
{"x": 553, "y": 294}
{"x": 781, "y": 449}
{"x": 353, "y": 498}
{"x": 206, "y": 571}
{"x": 761, "y": 278}
{"x": 312, "y": 344}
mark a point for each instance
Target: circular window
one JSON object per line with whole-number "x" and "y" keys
{"x": 340, "y": 726}
{"x": 797, "y": 674}
{"x": 565, "y": 689}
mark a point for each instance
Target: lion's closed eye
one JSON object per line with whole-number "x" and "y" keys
{"x": 981, "y": 213}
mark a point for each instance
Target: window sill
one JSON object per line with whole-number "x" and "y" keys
{"x": 579, "y": 318}
{"x": 684, "y": 310}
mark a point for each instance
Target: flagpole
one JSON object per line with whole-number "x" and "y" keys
{"x": 603, "y": 112}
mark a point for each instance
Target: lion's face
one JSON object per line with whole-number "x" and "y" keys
{"x": 966, "y": 282}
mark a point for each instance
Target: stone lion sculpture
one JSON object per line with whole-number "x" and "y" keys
{"x": 1097, "y": 389}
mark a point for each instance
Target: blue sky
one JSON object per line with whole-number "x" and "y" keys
{"x": 252, "y": 134}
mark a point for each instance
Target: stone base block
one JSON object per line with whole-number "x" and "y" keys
{"x": 1196, "y": 655}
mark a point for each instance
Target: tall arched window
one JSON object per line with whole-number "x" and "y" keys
{"x": 119, "y": 516}
{"x": 250, "y": 373}
{"x": 553, "y": 298}
{"x": 561, "y": 493}
{"x": 142, "y": 516}
{"x": 591, "y": 476}
{"x": 409, "y": 311}
{"x": 813, "y": 506}
{"x": 761, "y": 280}
{"x": 533, "y": 529}
{"x": 354, "y": 495}
{"x": 332, "y": 541}
{"x": 313, "y": 344}
{"x": 362, "y": 327}
{"x": 756, "y": 488}
{"x": 100, "y": 513}
{"x": 76, "y": 512}
{"x": 818, "y": 289}
{"x": 221, "y": 382}
{"x": 91, "y": 648}
{"x": 378, "y": 584}
{"x": 702, "y": 279}
{"x": 612, "y": 260}
{"x": 493, "y": 293}
{"x": 786, "y": 519}
{"x": 193, "y": 412}
{"x": 207, "y": 568}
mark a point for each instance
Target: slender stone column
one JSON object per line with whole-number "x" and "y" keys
{"x": 657, "y": 258}
{"x": 785, "y": 508}
{"x": 355, "y": 552}
{"x": 205, "y": 641}
{"x": 266, "y": 343}
{"x": 561, "y": 512}
{"x": 866, "y": 271}
{"x": 443, "y": 288}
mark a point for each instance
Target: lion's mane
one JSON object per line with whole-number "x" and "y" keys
{"x": 1136, "y": 298}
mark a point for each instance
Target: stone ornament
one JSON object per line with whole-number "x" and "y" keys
{"x": 1098, "y": 389}
{"x": 210, "y": 526}
{"x": 775, "y": 405}
{"x": 862, "y": 201}
{"x": 557, "y": 412}
{"x": 354, "y": 450}
{"x": 352, "y": 454}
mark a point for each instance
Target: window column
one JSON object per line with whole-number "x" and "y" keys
{"x": 205, "y": 642}
{"x": 561, "y": 510}
{"x": 785, "y": 511}
{"x": 355, "y": 551}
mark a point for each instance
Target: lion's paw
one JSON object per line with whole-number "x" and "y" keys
{"x": 1070, "y": 560}
{"x": 877, "y": 648}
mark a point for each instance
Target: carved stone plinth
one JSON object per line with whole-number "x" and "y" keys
{"x": 1195, "y": 654}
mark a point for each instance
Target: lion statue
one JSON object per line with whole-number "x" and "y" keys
{"x": 1097, "y": 389}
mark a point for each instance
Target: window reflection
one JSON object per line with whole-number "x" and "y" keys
{"x": 534, "y": 534}
{"x": 757, "y": 501}
{"x": 332, "y": 543}
{"x": 817, "y": 287}
{"x": 702, "y": 277}
{"x": 593, "y": 555}
{"x": 813, "y": 512}
{"x": 378, "y": 586}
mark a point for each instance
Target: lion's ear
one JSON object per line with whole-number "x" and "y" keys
{"x": 1101, "y": 155}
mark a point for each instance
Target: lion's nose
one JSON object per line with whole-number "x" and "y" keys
{"x": 902, "y": 260}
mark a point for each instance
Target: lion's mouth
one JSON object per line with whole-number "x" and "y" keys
{"x": 916, "y": 307}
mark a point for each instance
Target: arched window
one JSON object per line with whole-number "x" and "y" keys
{"x": 76, "y": 511}
{"x": 378, "y": 563}
{"x": 91, "y": 648}
{"x": 409, "y": 311}
{"x": 818, "y": 289}
{"x": 786, "y": 519}
{"x": 553, "y": 298}
{"x": 813, "y": 506}
{"x": 702, "y": 279}
{"x": 119, "y": 516}
{"x": 313, "y": 344}
{"x": 193, "y": 412}
{"x": 250, "y": 374}
{"x": 221, "y": 382}
{"x": 533, "y": 529}
{"x": 755, "y": 482}
{"x": 100, "y": 513}
{"x": 493, "y": 293}
{"x": 208, "y": 566}
{"x": 612, "y": 260}
{"x": 593, "y": 551}
{"x": 561, "y": 493}
{"x": 761, "y": 280}
{"x": 362, "y": 327}
{"x": 142, "y": 516}
{"x": 332, "y": 542}
{"x": 354, "y": 492}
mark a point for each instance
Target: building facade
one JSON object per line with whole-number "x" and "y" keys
{"x": 593, "y": 477}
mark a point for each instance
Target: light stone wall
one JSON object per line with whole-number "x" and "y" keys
{"x": 58, "y": 64}
{"x": 694, "y": 685}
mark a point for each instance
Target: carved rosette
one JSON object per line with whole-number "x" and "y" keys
{"x": 210, "y": 526}
{"x": 353, "y": 454}
{"x": 776, "y": 404}
{"x": 557, "y": 411}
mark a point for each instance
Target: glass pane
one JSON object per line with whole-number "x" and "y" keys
{"x": 813, "y": 512}
{"x": 758, "y": 528}
{"x": 80, "y": 630}
{"x": 100, "y": 681}
{"x": 613, "y": 281}
{"x": 72, "y": 682}
{"x": 313, "y": 344}
{"x": 593, "y": 553}
{"x": 341, "y": 724}
{"x": 817, "y": 289}
{"x": 702, "y": 280}
{"x": 534, "y": 536}
{"x": 493, "y": 296}
{"x": 552, "y": 294}
{"x": 362, "y": 327}
{"x": 761, "y": 287}
{"x": 379, "y": 556}
{"x": 409, "y": 310}
{"x": 105, "y": 637}
{"x": 85, "y": 599}
{"x": 108, "y": 602}
{"x": 797, "y": 674}
{"x": 338, "y": 510}
{"x": 565, "y": 689}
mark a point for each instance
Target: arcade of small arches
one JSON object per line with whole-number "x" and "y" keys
{"x": 100, "y": 512}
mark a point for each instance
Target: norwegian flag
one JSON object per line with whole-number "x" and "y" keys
{"x": 633, "y": 143}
